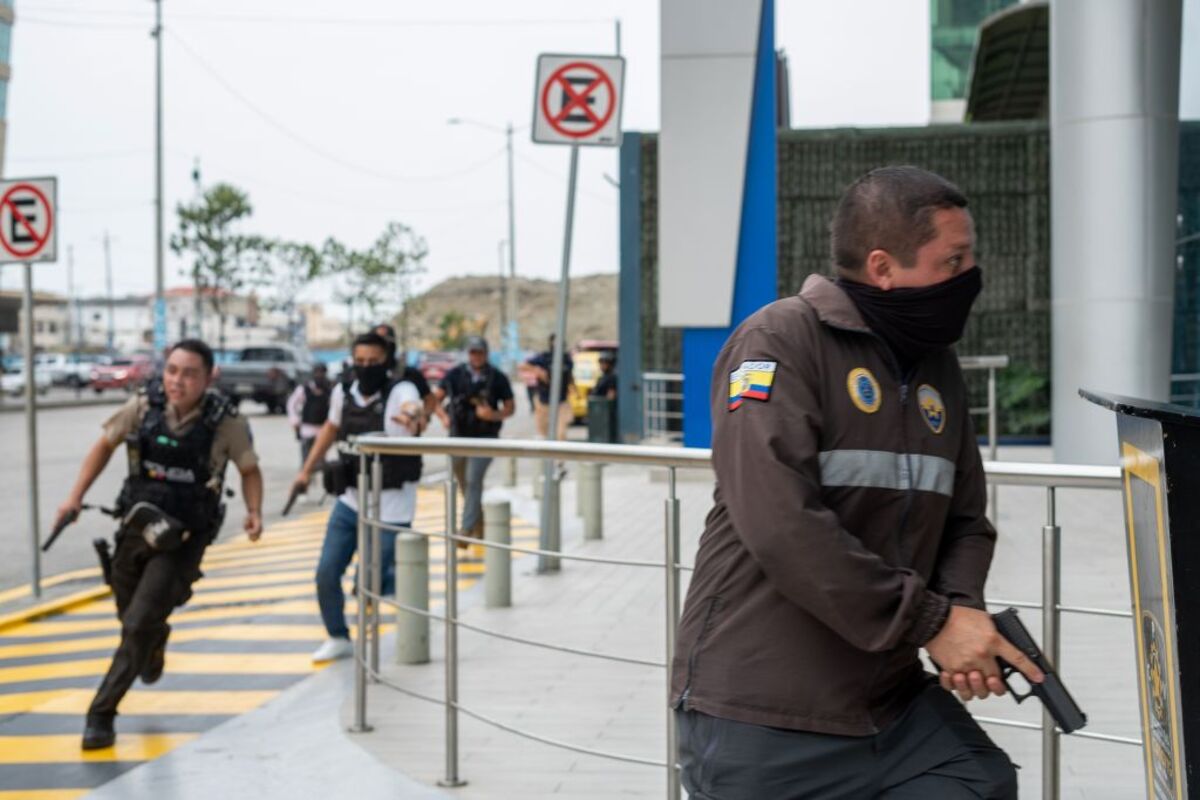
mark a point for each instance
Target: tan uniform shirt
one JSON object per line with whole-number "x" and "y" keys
{"x": 232, "y": 441}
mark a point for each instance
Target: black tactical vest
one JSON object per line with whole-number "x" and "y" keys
{"x": 316, "y": 404}
{"x": 175, "y": 472}
{"x": 356, "y": 420}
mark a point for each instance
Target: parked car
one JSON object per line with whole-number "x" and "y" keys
{"x": 122, "y": 372}
{"x": 266, "y": 374}
{"x": 69, "y": 369}
{"x": 12, "y": 382}
{"x": 434, "y": 365}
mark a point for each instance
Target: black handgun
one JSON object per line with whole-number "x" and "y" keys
{"x": 101, "y": 545}
{"x": 297, "y": 490}
{"x": 61, "y": 526}
{"x": 1053, "y": 694}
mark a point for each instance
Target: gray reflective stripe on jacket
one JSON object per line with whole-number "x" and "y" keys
{"x": 880, "y": 469}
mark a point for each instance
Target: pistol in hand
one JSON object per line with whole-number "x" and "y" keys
{"x": 1053, "y": 694}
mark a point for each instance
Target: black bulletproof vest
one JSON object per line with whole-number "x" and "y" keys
{"x": 316, "y": 404}
{"x": 175, "y": 472}
{"x": 356, "y": 420}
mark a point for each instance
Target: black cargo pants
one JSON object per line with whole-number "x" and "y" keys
{"x": 934, "y": 750}
{"x": 147, "y": 585}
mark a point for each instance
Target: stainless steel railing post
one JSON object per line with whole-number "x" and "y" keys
{"x": 451, "y": 778}
{"x": 360, "y": 639}
{"x": 993, "y": 443}
{"x": 671, "y": 568}
{"x": 377, "y": 566}
{"x": 1051, "y": 573}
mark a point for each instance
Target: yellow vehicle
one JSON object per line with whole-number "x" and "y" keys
{"x": 586, "y": 373}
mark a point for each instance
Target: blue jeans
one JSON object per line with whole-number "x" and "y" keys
{"x": 341, "y": 540}
{"x": 469, "y": 472}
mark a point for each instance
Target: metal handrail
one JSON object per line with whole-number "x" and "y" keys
{"x": 372, "y": 447}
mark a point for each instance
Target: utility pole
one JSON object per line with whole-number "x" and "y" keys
{"x": 160, "y": 302}
{"x": 509, "y": 333}
{"x": 109, "y": 292}
{"x": 72, "y": 342}
{"x": 503, "y": 300}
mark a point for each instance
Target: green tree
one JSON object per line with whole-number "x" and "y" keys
{"x": 452, "y": 333}
{"x": 292, "y": 266}
{"x": 224, "y": 258}
{"x": 379, "y": 275}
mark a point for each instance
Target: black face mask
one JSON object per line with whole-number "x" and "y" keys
{"x": 914, "y": 322}
{"x": 371, "y": 378}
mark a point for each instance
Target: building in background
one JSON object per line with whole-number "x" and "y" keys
{"x": 954, "y": 27}
{"x": 51, "y": 322}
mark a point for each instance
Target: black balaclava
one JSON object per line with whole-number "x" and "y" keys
{"x": 914, "y": 322}
{"x": 371, "y": 378}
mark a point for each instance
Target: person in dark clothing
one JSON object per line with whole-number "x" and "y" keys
{"x": 473, "y": 401}
{"x": 848, "y": 529}
{"x": 308, "y": 407}
{"x": 606, "y": 386}
{"x": 539, "y": 367}
{"x": 398, "y": 366}
{"x": 180, "y": 437}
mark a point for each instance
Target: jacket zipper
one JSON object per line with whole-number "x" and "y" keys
{"x": 704, "y": 627}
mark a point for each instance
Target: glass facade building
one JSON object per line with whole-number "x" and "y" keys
{"x": 954, "y": 28}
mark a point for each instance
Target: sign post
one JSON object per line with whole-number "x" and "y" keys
{"x": 28, "y": 227}
{"x": 578, "y": 103}
{"x": 1160, "y": 473}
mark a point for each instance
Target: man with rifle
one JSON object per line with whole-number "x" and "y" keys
{"x": 179, "y": 436}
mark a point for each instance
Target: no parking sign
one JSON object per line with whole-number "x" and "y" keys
{"x": 28, "y": 220}
{"x": 578, "y": 100}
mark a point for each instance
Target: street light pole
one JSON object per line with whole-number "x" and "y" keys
{"x": 109, "y": 292}
{"x": 160, "y": 305}
{"x": 510, "y": 341}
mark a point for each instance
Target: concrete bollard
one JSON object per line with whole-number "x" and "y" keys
{"x": 497, "y": 563}
{"x": 510, "y": 477}
{"x": 538, "y": 480}
{"x": 591, "y": 497}
{"x": 412, "y": 589}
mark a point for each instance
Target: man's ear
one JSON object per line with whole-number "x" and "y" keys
{"x": 212, "y": 376}
{"x": 879, "y": 268}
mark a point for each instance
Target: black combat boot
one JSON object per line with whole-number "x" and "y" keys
{"x": 153, "y": 669}
{"x": 98, "y": 732}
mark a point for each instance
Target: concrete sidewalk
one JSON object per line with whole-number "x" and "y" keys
{"x": 621, "y": 708}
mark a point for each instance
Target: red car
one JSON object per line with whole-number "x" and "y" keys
{"x": 122, "y": 372}
{"x": 435, "y": 365}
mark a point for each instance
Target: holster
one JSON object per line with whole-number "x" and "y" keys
{"x": 333, "y": 478}
{"x": 101, "y": 546}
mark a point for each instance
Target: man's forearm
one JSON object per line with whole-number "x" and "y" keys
{"x": 325, "y": 438}
{"x": 252, "y": 489}
{"x": 93, "y": 464}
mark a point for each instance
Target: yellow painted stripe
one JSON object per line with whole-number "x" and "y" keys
{"x": 64, "y": 748}
{"x": 19, "y": 592}
{"x": 79, "y": 599}
{"x": 235, "y": 633}
{"x": 137, "y": 701}
{"x": 205, "y": 663}
{"x": 298, "y": 561}
{"x": 42, "y": 794}
{"x": 262, "y": 579}
{"x": 309, "y": 554}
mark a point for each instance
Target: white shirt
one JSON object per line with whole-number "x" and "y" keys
{"x": 295, "y": 410}
{"x": 397, "y": 506}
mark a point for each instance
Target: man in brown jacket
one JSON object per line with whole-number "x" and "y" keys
{"x": 848, "y": 529}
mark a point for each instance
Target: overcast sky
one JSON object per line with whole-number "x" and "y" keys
{"x": 333, "y": 116}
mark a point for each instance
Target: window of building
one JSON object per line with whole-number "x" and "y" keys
{"x": 955, "y": 28}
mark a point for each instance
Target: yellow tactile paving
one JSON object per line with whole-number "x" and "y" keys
{"x": 138, "y": 701}
{"x": 60, "y": 748}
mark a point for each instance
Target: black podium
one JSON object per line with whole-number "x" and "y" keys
{"x": 1160, "y": 472}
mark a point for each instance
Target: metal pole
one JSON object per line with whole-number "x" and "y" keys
{"x": 672, "y": 606}
{"x": 160, "y": 304}
{"x": 550, "y": 533}
{"x": 72, "y": 342}
{"x": 109, "y": 290}
{"x": 360, "y": 637}
{"x": 376, "y": 562}
{"x": 451, "y": 778}
{"x": 1051, "y": 569}
{"x": 503, "y": 347}
{"x": 617, "y": 25}
{"x": 497, "y": 562}
{"x": 31, "y": 434}
{"x": 993, "y": 442}
{"x": 511, "y": 343}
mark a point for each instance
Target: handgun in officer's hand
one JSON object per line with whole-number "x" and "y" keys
{"x": 1053, "y": 694}
{"x": 298, "y": 489}
{"x": 60, "y": 526}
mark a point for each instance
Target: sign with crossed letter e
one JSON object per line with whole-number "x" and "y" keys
{"x": 28, "y": 220}
{"x": 578, "y": 100}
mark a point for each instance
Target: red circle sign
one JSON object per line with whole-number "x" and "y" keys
{"x": 39, "y": 240}
{"x": 578, "y": 100}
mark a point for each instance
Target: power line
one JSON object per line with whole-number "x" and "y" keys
{"x": 83, "y": 156}
{"x": 59, "y": 23}
{"x": 316, "y": 149}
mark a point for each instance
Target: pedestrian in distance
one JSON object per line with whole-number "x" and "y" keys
{"x": 398, "y": 366}
{"x": 308, "y": 408}
{"x": 179, "y": 434}
{"x": 375, "y": 401}
{"x": 539, "y": 368}
{"x": 848, "y": 529}
{"x": 474, "y": 399}
{"x": 606, "y": 386}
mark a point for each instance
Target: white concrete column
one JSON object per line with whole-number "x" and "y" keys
{"x": 1114, "y": 144}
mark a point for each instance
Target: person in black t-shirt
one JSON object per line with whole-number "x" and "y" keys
{"x": 473, "y": 401}
{"x": 540, "y": 367}
{"x": 398, "y": 366}
{"x": 607, "y": 385}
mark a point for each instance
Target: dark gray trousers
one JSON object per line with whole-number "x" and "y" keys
{"x": 934, "y": 750}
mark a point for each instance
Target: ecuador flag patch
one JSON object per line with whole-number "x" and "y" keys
{"x": 751, "y": 381}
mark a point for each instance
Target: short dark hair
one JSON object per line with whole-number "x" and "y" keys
{"x": 195, "y": 346}
{"x": 890, "y": 208}
{"x": 369, "y": 339}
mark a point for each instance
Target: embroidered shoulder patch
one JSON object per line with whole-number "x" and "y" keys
{"x": 864, "y": 390}
{"x": 933, "y": 410}
{"x": 751, "y": 381}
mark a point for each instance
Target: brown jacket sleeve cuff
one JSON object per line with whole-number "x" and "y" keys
{"x": 931, "y": 616}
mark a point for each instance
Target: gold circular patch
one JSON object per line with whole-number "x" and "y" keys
{"x": 864, "y": 390}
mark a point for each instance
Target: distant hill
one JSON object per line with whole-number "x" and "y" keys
{"x": 471, "y": 305}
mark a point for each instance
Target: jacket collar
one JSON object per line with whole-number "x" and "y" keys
{"x": 833, "y": 306}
